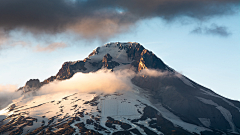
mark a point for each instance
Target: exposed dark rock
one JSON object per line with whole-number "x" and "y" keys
{"x": 96, "y": 51}
{"x": 98, "y": 65}
{"x": 111, "y": 121}
{"x": 135, "y": 131}
{"x": 108, "y": 63}
{"x": 150, "y": 60}
{"x": 146, "y": 130}
{"x": 16, "y": 125}
{"x": 31, "y": 85}
{"x": 12, "y": 107}
{"x": 89, "y": 121}
{"x": 86, "y": 131}
{"x": 142, "y": 58}
{"x": 107, "y": 58}
{"x": 50, "y": 79}
{"x": 122, "y": 133}
{"x": 93, "y": 102}
{"x": 68, "y": 69}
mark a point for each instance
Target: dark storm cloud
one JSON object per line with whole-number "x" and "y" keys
{"x": 212, "y": 30}
{"x": 102, "y": 18}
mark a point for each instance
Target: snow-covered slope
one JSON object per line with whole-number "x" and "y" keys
{"x": 158, "y": 100}
{"x": 74, "y": 113}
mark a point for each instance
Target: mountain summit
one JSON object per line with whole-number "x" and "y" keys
{"x": 147, "y": 97}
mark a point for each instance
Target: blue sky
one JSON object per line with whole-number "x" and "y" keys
{"x": 212, "y": 60}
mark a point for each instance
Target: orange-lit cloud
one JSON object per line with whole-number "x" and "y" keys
{"x": 103, "y": 19}
{"x": 51, "y": 47}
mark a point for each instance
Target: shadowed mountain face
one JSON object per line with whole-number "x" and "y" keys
{"x": 161, "y": 102}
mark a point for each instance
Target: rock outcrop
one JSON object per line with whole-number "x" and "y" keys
{"x": 108, "y": 63}
{"x": 31, "y": 85}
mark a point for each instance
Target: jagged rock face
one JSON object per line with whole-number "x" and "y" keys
{"x": 31, "y": 85}
{"x": 96, "y": 51}
{"x": 134, "y": 51}
{"x": 108, "y": 63}
{"x": 50, "y": 79}
{"x": 144, "y": 59}
{"x": 68, "y": 69}
{"x": 149, "y": 60}
{"x": 107, "y": 58}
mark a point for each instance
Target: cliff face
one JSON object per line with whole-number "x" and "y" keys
{"x": 31, "y": 85}
{"x": 144, "y": 59}
{"x": 108, "y": 63}
{"x": 68, "y": 69}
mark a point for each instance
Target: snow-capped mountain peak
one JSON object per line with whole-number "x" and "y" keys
{"x": 120, "y": 88}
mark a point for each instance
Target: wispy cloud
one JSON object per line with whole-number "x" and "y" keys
{"x": 6, "y": 41}
{"x": 51, "y": 47}
{"x": 212, "y": 30}
{"x": 7, "y": 94}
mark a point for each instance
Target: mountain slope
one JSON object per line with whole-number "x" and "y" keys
{"x": 160, "y": 101}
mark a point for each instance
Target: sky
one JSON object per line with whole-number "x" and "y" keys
{"x": 198, "y": 38}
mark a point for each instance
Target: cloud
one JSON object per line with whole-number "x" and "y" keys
{"x": 102, "y": 19}
{"x": 100, "y": 82}
{"x": 7, "y": 94}
{"x": 212, "y": 30}
{"x": 51, "y": 47}
{"x": 3, "y": 39}
{"x": 6, "y": 41}
{"x": 218, "y": 30}
{"x": 152, "y": 73}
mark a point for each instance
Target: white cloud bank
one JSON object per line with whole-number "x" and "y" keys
{"x": 102, "y": 81}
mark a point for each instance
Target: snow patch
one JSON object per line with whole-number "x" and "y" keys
{"x": 226, "y": 114}
{"x": 205, "y": 121}
{"x": 224, "y": 99}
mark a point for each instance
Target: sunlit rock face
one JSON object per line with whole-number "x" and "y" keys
{"x": 161, "y": 101}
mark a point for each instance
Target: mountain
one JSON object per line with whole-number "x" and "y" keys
{"x": 155, "y": 100}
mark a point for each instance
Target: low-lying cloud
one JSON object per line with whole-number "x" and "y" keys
{"x": 99, "y": 82}
{"x": 7, "y": 94}
{"x": 102, "y": 19}
{"x": 152, "y": 73}
{"x": 102, "y": 81}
